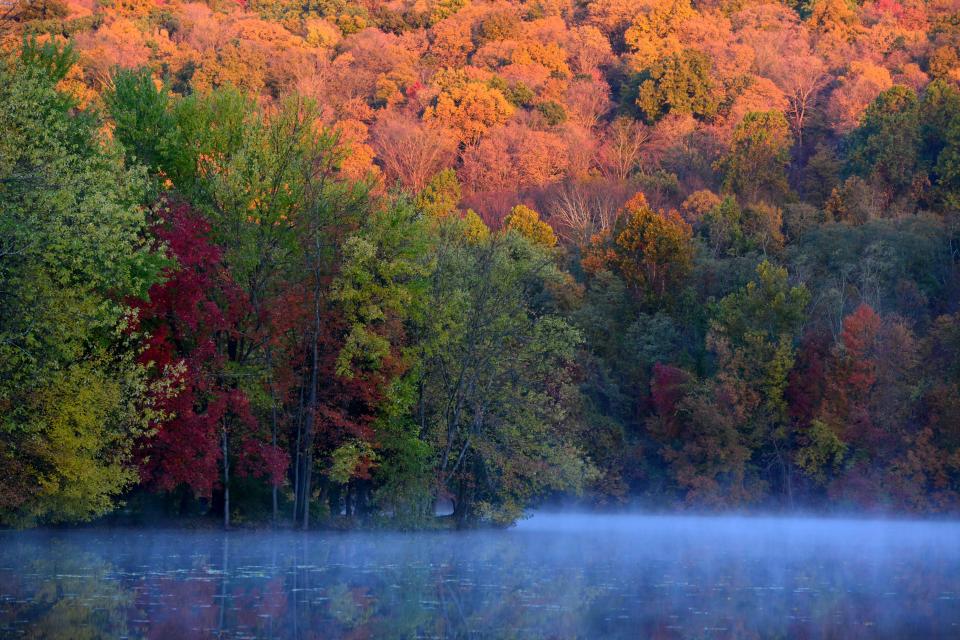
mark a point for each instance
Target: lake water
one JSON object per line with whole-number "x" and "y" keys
{"x": 549, "y": 577}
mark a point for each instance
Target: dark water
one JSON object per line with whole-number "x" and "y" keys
{"x": 551, "y": 577}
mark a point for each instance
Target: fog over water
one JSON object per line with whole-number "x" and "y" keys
{"x": 552, "y": 576}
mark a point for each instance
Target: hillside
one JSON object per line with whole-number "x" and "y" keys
{"x": 298, "y": 260}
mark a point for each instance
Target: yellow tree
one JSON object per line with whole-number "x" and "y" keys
{"x": 470, "y": 109}
{"x": 653, "y": 251}
{"x": 654, "y": 33}
{"x": 550, "y": 55}
{"x": 527, "y": 223}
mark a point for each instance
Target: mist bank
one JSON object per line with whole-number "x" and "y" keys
{"x": 151, "y": 512}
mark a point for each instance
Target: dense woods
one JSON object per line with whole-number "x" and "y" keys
{"x": 328, "y": 263}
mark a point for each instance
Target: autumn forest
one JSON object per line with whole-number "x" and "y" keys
{"x": 332, "y": 263}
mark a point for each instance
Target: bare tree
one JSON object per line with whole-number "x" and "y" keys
{"x": 801, "y": 78}
{"x": 411, "y": 152}
{"x": 623, "y": 145}
{"x": 578, "y": 210}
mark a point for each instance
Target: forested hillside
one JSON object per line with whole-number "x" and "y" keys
{"x": 329, "y": 262}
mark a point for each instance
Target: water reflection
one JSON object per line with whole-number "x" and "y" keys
{"x": 553, "y": 577}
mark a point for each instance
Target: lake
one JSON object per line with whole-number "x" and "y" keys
{"x": 552, "y": 576}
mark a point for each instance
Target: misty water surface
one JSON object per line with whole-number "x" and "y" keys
{"x": 550, "y": 577}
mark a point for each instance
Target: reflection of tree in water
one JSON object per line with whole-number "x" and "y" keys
{"x": 470, "y": 585}
{"x": 213, "y": 592}
{"x": 62, "y": 591}
{"x": 439, "y": 587}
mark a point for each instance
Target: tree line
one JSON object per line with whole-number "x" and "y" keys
{"x": 200, "y": 304}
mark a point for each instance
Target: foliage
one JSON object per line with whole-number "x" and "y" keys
{"x": 471, "y": 109}
{"x": 526, "y": 222}
{"x": 677, "y": 83}
{"x": 269, "y": 255}
{"x": 651, "y": 250}
{"x": 755, "y": 168}
{"x": 73, "y": 247}
{"x": 441, "y": 196}
{"x": 495, "y": 376}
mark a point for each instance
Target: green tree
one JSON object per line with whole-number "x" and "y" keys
{"x": 382, "y": 291}
{"x": 677, "y": 83}
{"x": 722, "y": 228}
{"x": 441, "y": 196}
{"x": 496, "y": 376}
{"x": 907, "y": 146}
{"x": 140, "y": 114}
{"x": 885, "y": 145}
{"x": 947, "y": 168}
{"x": 754, "y": 337}
{"x": 755, "y": 167}
{"x": 73, "y": 249}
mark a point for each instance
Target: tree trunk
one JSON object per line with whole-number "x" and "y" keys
{"x": 273, "y": 488}
{"x": 296, "y": 466}
{"x": 226, "y": 480}
{"x": 462, "y": 506}
{"x": 273, "y": 431}
{"x": 311, "y": 413}
{"x": 334, "y": 499}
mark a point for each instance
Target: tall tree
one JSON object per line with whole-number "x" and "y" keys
{"x": 496, "y": 370}
{"x": 72, "y": 249}
{"x": 677, "y": 82}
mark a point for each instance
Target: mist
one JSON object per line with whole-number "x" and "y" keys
{"x": 559, "y": 575}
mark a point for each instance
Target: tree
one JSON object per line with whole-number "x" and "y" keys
{"x": 614, "y": 16}
{"x": 885, "y": 146}
{"x": 72, "y": 398}
{"x": 470, "y": 108}
{"x": 410, "y": 152}
{"x": 513, "y": 157}
{"x": 495, "y": 372}
{"x": 269, "y": 186}
{"x": 722, "y": 226}
{"x": 27, "y": 10}
{"x": 450, "y": 43}
{"x": 381, "y": 292}
{"x": 581, "y": 209}
{"x": 940, "y": 133}
{"x": 833, "y": 19}
{"x": 802, "y": 78}
{"x": 742, "y": 412}
{"x": 652, "y": 250}
{"x": 707, "y": 456}
{"x": 755, "y": 166}
{"x": 526, "y": 222}
{"x": 857, "y": 88}
{"x": 441, "y": 195}
{"x": 185, "y": 317}
{"x": 240, "y": 64}
{"x": 141, "y": 116}
{"x": 654, "y": 32}
{"x": 621, "y": 152}
{"x": 677, "y": 83}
